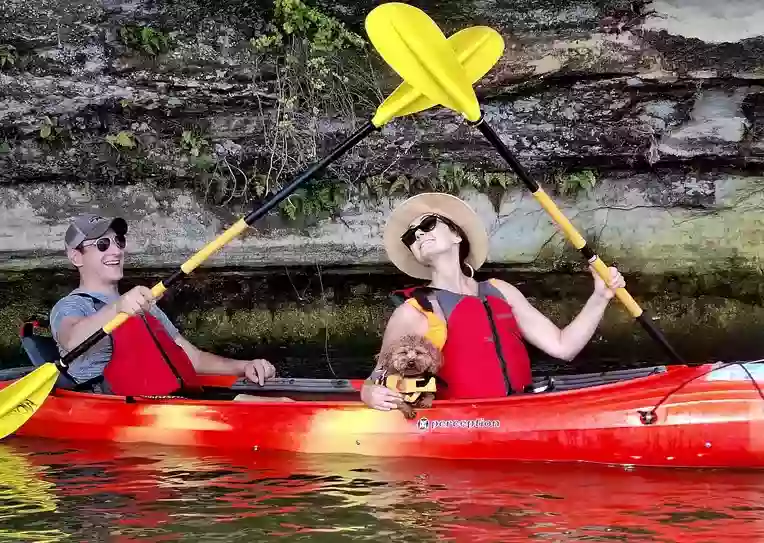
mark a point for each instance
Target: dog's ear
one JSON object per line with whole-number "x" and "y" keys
{"x": 384, "y": 355}
{"x": 437, "y": 361}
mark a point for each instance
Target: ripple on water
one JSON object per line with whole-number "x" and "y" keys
{"x": 58, "y": 492}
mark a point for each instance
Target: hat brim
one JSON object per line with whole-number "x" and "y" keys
{"x": 446, "y": 205}
{"x": 118, "y": 224}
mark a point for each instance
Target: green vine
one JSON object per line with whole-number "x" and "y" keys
{"x": 309, "y": 63}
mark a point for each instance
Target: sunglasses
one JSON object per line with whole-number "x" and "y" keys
{"x": 425, "y": 225}
{"x": 102, "y": 244}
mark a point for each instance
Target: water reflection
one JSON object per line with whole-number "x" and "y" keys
{"x": 81, "y": 492}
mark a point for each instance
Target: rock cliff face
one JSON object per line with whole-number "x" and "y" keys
{"x": 642, "y": 119}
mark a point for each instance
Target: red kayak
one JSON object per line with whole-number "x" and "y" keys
{"x": 701, "y": 416}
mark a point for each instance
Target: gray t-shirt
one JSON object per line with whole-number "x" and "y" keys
{"x": 92, "y": 363}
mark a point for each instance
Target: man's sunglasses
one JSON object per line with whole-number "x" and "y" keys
{"x": 425, "y": 225}
{"x": 102, "y": 244}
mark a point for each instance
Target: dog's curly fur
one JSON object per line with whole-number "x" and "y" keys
{"x": 411, "y": 356}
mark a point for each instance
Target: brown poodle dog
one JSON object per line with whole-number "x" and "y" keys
{"x": 410, "y": 356}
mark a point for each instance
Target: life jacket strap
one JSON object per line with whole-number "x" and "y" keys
{"x": 419, "y": 293}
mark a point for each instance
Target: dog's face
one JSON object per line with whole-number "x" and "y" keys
{"x": 410, "y": 356}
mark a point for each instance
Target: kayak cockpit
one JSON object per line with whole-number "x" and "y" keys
{"x": 223, "y": 387}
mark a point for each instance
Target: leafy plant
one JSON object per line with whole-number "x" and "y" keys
{"x": 193, "y": 142}
{"x": 319, "y": 199}
{"x": 293, "y": 17}
{"x": 122, "y": 140}
{"x": 8, "y": 55}
{"x": 571, "y": 184}
{"x": 5, "y": 148}
{"x": 144, "y": 39}
{"x": 51, "y": 132}
{"x": 451, "y": 178}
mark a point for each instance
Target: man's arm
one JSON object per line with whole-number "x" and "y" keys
{"x": 205, "y": 362}
{"x": 71, "y": 326}
{"x": 257, "y": 371}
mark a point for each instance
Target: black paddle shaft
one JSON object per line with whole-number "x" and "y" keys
{"x": 586, "y": 251}
{"x": 250, "y": 218}
{"x": 505, "y": 153}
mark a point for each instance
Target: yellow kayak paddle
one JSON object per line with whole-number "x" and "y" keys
{"x": 413, "y": 46}
{"x": 475, "y": 49}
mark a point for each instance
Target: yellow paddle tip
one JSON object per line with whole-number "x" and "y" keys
{"x": 477, "y": 48}
{"x": 413, "y": 45}
{"x": 21, "y": 399}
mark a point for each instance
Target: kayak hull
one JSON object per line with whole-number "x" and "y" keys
{"x": 702, "y": 421}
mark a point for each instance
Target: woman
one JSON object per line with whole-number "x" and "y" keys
{"x": 479, "y": 326}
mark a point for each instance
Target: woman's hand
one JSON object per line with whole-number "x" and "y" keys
{"x": 616, "y": 281}
{"x": 380, "y": 397}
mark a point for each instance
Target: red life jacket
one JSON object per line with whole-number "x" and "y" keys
{"x": 146, "y": 361}
{"x": 484, "y": 355}
{"x": 142, "y": 365}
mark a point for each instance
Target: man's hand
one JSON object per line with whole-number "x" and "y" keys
{"x": 259, "y": 371}
{"x": 136, "y": 300}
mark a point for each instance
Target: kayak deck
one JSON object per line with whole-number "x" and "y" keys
{"x": 703, "y": 419}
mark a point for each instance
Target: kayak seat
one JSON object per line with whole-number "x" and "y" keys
{"x": 41, "y": 349}
{"x": 559, "y": 383}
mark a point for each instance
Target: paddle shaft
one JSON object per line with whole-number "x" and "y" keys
{"x": 575, "y": 238}
{"x": 189, "y": 265}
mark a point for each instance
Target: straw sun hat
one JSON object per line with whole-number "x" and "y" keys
{"x": 446, "y": 205}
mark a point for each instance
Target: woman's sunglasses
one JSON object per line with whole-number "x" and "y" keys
{"x": 425, "y": 225}
{"x": 102, "y": 244}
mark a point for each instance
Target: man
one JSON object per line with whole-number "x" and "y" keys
{"x": 145, "y": 355}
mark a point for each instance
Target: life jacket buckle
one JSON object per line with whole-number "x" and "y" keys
{"x": 548, "y": 386}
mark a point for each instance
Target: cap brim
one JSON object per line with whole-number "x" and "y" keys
{"x": 119, "y": 225}
{"x": 447, "y": 205}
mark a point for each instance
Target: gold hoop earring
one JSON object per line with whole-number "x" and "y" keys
{"x": 472, "y": 270}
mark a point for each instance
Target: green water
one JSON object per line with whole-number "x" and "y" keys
{"x": 52, "y": 491}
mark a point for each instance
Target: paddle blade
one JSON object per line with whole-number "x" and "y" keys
{"x": 477, "y": 48}
{"x": 20, "y": 400}
{"x": 413, "y": 45}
